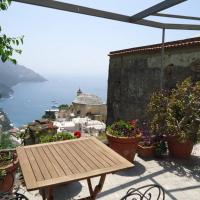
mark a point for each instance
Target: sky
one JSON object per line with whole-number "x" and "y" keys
{"x": 62, "y": 43}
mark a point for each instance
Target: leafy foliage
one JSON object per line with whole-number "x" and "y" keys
{"x": 57, "y": 137}
{"x": 177, "y": 113}
{"x": 5, "y": 141}
{"x": 63, "y": 107}
{"x": 157, "y": 112}
{"x": 183, "y": 111}
{"x": 124, "y": 129}
{"x": 8, "y": 44}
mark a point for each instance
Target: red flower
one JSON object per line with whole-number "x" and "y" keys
{"x": 133, "y": 123}
{"x": 77, "y": 134}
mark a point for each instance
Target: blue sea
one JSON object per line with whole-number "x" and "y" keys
{"x": 30, "y": 100}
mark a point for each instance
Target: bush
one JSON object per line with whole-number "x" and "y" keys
{"x": 57, "y": 137}
{"x": 177, "y": 113}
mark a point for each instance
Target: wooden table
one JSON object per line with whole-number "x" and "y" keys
{"x": 45, "y": 166}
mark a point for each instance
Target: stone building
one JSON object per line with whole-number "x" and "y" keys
{"x": 134, "y": 74}
{"x": 89, "y": 105}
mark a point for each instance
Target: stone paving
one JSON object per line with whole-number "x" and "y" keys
{"x": 180, "y": 179}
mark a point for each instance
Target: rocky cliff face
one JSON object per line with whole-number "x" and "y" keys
{"x": 4, "y": 121}
{"x": 11, "y": 74}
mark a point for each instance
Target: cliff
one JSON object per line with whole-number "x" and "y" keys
{"x": 4, "y": 121}
{"x": 11, "y": 74}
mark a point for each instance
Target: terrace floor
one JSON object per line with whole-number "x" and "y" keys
{"x": 180, "y": 179}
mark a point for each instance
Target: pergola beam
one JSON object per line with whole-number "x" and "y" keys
{"x": 176, "y": 16}
{"x": 155, "y": 9}
{"x": 109, "y": 15}
{"x": 88, "y": 11}
{"x": 182, "y": 26}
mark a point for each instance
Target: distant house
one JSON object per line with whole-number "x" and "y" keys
{"x": 89, "y": 105}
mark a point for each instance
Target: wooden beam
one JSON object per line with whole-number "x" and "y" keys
{"x": 155, "y": 9}
{"x": 88, "y": 11}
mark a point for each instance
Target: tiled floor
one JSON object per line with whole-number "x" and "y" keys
{"x": 180, "y": 179}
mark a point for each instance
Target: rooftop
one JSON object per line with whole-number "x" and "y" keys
{"x": 189, "y": 43}
{"x": 88, "y": 99}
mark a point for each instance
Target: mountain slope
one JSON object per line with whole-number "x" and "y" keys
{"x": 11, "y": 74}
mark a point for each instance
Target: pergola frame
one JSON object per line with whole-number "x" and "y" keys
{"x": 135, "y": 19}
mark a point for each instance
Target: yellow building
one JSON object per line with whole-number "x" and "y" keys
{"x": 89, "y": 105}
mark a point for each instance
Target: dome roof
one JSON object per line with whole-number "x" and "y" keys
{"x": 88, "y": 99}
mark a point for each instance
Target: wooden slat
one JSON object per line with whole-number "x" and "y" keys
{"x": 26, "y": 168}
{"x": 89, "y": 158}
{"x": 91, "y": 154}
{"x": 107, "y": 154}
{"x": 34, "y": 165}
{"x": 52, "y": 159}
{"x": 77, "y": 157}
{"x": 41, "y": 164}
{"x": 59, "y": 160}
{"x": 84, "y": 154}
{"x": 48, "y": 163}
{"x": 111, "y": 152}
{"x": 97, "y": 154}
{"x": 66, "y": 159}
{"x": 71, "y": 158}
{"x": 81, "y": 176}
{"x": 101, "y": 153}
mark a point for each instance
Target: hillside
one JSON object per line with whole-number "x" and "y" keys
{"x": 11, "y": 74}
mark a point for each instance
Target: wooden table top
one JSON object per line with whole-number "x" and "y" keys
{"x": 50, "y": 164}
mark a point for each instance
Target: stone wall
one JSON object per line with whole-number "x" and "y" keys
{"x": 134, "y": 77}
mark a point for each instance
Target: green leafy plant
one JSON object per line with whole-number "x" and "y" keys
{"x": 8, "y": 44}
{"x": 177, "y": 113}
{"x": 57, "y": 137}
{"x": 5, "y": 141}
{"x": 124, "y": 129}
{"x": 64, "y": 107}
{"x": 183, "y": 111}
{"x": 157, "y": 112}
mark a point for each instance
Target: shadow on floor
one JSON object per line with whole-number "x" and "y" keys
{"x": 68, "y": 191}
{"x": 137, "y": 170}
{"x": 182, "y": 167}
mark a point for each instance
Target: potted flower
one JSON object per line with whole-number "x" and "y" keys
{"x": 8, "y": 163}
{"x": 123, "y": 137}
{"x": 146, "y": 146}
{"x": 183, "y": 118}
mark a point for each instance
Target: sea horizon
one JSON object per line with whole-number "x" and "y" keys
{"x": 30, "y": 99}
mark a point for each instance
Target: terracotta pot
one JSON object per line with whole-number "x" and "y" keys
{"x": 145, "y": 151}
{"x": 125, "y": 146}
{"x": 6, "y": 182}
{"x": 179, "y": 149}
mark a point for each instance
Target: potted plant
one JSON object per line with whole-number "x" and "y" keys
{"x": 8, "y": 167}
{"x": 8, "y": 163}
{"x": 183, "y": 118}
{"x": 146, "y": 146}
{"x": 123, "y": 137}
{"x": 157, "y": 123}
{"x": 176, "y": 115}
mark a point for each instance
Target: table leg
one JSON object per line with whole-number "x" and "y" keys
{"x": 97, "y": 189}
{"x": 49, "y": 193}
{"x": 42, "y": 192}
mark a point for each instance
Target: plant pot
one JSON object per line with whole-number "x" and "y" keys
{"x": 145, "y": 151}
{"x": 179, "y": 149}
{"x": 6, "y": 182}
{"x": 124, "y": 146}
